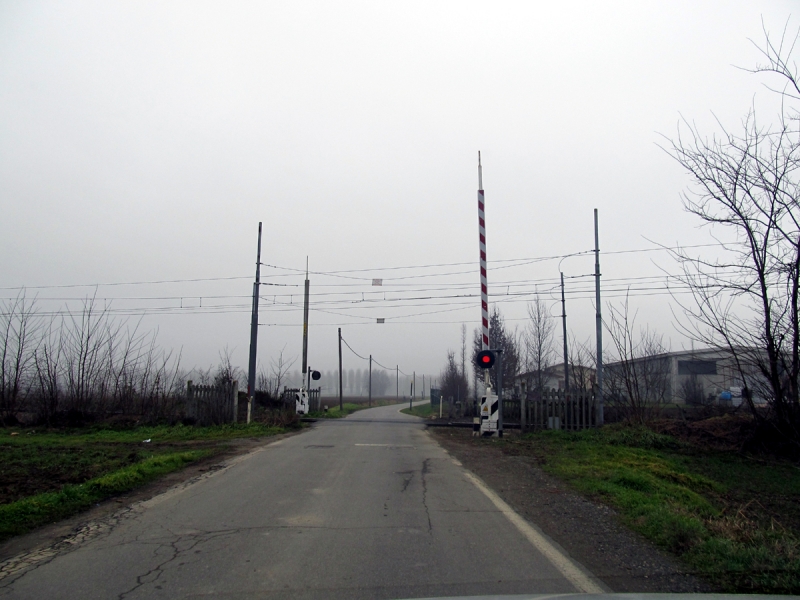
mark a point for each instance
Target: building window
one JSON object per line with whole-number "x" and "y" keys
{"x": 697, "y": 367}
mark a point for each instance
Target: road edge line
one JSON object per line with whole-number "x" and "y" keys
{"x": 583, "y": 581}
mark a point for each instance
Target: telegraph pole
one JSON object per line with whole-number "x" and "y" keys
{"x": 251, "y": 373}
{"x": 423, "y": 387}
{"x": 397, "y": 374}
{"x": 341, "y": 406}
{"x": 564, "y": 323}
{"x": 305, "y": 324}
{"x": 370, "y": 381}
{"x": 598, "y": 322}
{"x": 414, "y": 387}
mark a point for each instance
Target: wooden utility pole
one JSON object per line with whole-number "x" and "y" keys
{"x": 341, "y": 406}
{"x": 370, "y": 381}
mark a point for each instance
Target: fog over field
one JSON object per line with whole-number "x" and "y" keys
{"x": 141, "y": 143}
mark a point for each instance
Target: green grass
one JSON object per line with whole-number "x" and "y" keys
{"x": 25, "y": 514}
{"x": 422, "y": 410}
{"x": 46, "y": 475}
{"x": 333, "y": 412}
{"x": 733, "y": 519}
{"x": 348, "y": 408}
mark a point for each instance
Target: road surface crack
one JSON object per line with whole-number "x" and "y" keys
{"x": 425, "y": 470}
{"x": 178, "y": 547}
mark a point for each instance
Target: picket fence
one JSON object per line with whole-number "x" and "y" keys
{"x": 552, "y": 409}
{"x": 213, "y": 404}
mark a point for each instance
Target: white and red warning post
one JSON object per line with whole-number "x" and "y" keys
{"x": 490, "y": 421}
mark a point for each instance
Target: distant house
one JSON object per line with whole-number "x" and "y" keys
{"x": 706, "y": 376}
{"x": 553, "y": 378}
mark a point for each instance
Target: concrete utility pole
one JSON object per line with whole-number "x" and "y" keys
{"x": 598, "y": 322}
{"x": 251, "y": 373}
{"x": 499, "y": 365}
{"x": 397, "y": 374}
{"x": 305, "y": 323}
{"x": 341, "y": 406}
{"x": 370, "y": 381}
{"x": 564, "y": 323}
{"x": 414, "y": 387}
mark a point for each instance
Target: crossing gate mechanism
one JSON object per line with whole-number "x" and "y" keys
{"x": 490, "y": 414}
{"x": 301, "y": 401}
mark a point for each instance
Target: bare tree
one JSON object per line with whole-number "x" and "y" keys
{"x": 454, "y": 384}
{"x": 226, "y": 371}
{"x": 500, "y": 338}
{"x": 18, "y": 325}
{"x": 280, "y": 372}
{"x": 47, "y": 357}
{"x": 637, "y": 384}
{"x": 746, "y": 190}
{"x": 581, "y": 356}
{"x": 464, "y": 350}
{"x": 538, "y": 343}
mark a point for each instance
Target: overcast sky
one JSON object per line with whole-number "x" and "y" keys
{"x": 144, "y": 141}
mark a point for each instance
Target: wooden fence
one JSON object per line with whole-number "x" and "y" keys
{"x": 212, "y": 404}
{"x": 552, "y": 410}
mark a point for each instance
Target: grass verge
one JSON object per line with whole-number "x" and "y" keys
{"x": 26, "y": 514}
{"x": 348, "y": 408}
{"x": 731, "y": 518}
{"x": 334, "y": 412}
{"x": 422, "y": 410}
{"x": 46, "y": 475}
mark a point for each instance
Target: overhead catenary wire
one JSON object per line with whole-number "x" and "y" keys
{"x": 497, "y": 264}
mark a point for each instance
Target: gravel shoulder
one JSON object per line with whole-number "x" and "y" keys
{"x": 590, "y": 532}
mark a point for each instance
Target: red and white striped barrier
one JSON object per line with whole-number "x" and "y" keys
{"x": 484, "y": 283}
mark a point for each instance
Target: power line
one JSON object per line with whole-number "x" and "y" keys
{"x": 340, "y": 273}
{"x": 353, "y": 351}
{"x": 76, "y": 285}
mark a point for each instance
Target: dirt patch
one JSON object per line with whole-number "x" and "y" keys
{"x": 590, "y": 532}
{"x": 51, "y": 534}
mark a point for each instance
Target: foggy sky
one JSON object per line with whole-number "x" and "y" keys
{"x": 143, "y": 142}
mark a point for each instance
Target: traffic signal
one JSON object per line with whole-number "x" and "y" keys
{"x": 485, "y": 359}
{"x": 315, "y": 375}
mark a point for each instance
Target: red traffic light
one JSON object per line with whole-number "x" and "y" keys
{"x": 485, "y": 359}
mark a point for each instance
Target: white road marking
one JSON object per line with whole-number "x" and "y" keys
{"x": 385, "y": 445}
{"x": 582, "y": 581}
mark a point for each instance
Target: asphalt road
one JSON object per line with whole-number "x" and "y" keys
{"x": 364, "y": 507}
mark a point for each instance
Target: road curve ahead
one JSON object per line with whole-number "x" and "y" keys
{"x": 364, "y": 507}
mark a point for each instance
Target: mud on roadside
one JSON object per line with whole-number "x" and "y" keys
{"x": 590, "y": 532}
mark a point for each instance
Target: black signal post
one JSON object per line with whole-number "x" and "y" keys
{"x": 485, "y": 359}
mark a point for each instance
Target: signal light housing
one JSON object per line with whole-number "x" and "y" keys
{"x": 485, "y": 359}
